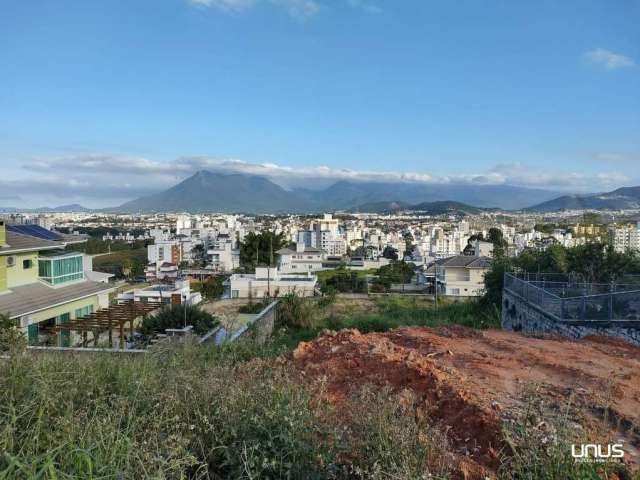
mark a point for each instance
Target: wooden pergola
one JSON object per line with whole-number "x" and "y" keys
{"x": 114, "y": 316}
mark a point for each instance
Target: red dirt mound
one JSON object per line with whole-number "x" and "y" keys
{"x": 469, "y": 381}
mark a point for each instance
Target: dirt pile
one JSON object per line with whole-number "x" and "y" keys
{"x": 470, "y": 382}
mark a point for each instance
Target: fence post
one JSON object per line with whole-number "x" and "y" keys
{"x": 563, "y": 308}
{"x": 583, "y": 308}
{"x": 610, "y": 306}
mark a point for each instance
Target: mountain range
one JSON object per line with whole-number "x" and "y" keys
{"x": 61, "y": 209}
{"x": 239, "y": 193}
{"x": 620, "y": 199}
{"x": 446, "y": 207}
{"x": 207, "y": 191}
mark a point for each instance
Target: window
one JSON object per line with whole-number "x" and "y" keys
{"x": 60, "y": 268}
{"x": 455, "y": 291}
{"x": 27, "y": 264}
{"x": 235, "y": 293}
{"x": 84, "y": 311}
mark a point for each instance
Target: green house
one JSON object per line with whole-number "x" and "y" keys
{"x": 42, "y": 285}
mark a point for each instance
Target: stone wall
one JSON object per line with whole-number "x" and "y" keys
{"x": 520, "y": 316}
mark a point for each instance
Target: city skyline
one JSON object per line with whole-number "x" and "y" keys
{"x": 105, "y": 103}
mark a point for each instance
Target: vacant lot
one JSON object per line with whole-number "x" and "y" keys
{"x": 495, "y": 393}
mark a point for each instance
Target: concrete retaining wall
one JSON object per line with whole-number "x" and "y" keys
{"x": 261, "y": 328}
{"x": 520, "y": 316}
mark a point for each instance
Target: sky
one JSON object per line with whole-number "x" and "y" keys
{"x": 101, "y": 102}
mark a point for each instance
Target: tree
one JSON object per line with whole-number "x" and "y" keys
{"x": 408, "y": 244}
{"x": 496, "y": 237}
{"x": 259, "y": 249}
{"x": 212, "y": 287}
{"x": 198, "y": 253}
{"x": 390, "y": 253}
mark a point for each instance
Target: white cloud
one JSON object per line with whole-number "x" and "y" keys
{"x": 365, "y": 5}
{"x": 607, "y": 59}
{"x": 228, "y": 5}
{"x": 300, "y": 9}
{"x": 110, "y": 180}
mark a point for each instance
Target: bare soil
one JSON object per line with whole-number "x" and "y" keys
{"x": 470, "y": 382}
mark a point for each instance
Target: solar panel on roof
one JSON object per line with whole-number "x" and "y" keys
{"x": 34, "y": 231}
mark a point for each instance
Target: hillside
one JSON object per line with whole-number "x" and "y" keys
{"x": 620, "y": 199}
{"x": 445, "y": 207}
{"x": 216, "y": 192}
{"x": 75, "y": 208}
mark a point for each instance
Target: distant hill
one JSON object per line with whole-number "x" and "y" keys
{"x": 75, "y": 208}
{"x": 446, "y": 208}
{"x": 380, "y": 207}
{"x": 620, "y": 199}
{"x": 237, "y": 193}
{"x": 216, "y": 192}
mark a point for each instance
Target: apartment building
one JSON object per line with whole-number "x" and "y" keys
{"x": 625, "y": 237}
{"x": 42, "y": 285}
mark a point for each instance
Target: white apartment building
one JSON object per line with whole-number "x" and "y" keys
{"x": 221, "y": 255}
{"x": 324, "y": 235}
{"x": 625, "y": 237}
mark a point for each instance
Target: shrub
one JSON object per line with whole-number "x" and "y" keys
{"x": 176, "y": 316}
{"x": 11, "y": 339}
{"x": 253, "y": 307}
{"x": 297, "y": 312}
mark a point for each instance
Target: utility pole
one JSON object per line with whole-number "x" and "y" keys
{"x": 270, "y": 263}
{"x": 435, "y": 290}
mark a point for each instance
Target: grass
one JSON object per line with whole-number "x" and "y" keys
{"x": 236, "y": 412}
{"x": 539, "y": 440}
{"x": 115, "y": 261}
{"x": 386, "y": 313}
{"x": 324, "y": 275}
{"x": 191, "y": 413}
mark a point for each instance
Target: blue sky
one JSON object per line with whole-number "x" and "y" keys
{"x": 104, "y": 101}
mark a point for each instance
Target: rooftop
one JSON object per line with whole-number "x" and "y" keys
{"x": 34, "y": 297}
{"x": 18, "y": 242}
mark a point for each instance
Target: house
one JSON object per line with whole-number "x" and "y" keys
{"x": 178, "y": 293}
{"x": 460, "y": 275}
{"x": 269, "y": 282}
{"x": 302, "y": 259}
{"x": 42, "y": 285}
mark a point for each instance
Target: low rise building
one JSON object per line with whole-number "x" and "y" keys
{"x": 268, "y": 282}
{"x": 302, "y": 259}
{"x": 178, "y": 293}
{"x": 460, "y": 275}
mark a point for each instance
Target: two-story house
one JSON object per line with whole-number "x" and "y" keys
{"x": 302, "y": 259}
{"x": 460, "y": 275}
{"x": 43, "y": 285}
